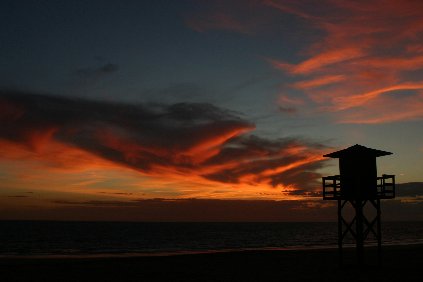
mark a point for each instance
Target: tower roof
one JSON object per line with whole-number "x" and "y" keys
{"x": 358, "y": 150}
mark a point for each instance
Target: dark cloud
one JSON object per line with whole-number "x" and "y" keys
{"x": 109, "y": 68}
{"x": 411, "y": 189}
{"x": 117, "y": 193}
{"x": 287, "y": 110}
{"x": 92, "y": 76}
{"x": 97, "y": 71}
{"x": 303, "y": 192}
{"x": 189, "y": 138}
{"x": 176, "y": 92}
{"x": 96, "y": 203}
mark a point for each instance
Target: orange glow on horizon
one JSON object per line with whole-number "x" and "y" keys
{"x": 50, "y": 167}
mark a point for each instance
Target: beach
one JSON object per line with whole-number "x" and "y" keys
{"x": 399, "y": 263}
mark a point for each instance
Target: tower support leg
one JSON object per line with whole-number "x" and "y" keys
{"x": 363, "y": 227}
{"x": 359, "y": 232}
{"x": 379, "y": 232}
{"x": 340, "y": 235}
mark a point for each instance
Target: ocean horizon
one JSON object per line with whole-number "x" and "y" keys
{"x": 116, "y": 239}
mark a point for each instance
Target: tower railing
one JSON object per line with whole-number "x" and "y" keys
{"x": 385, "y": 187}
{"x": 331, "y": 187}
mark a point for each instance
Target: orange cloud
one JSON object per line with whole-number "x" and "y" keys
{"x": 319, "y": 81}
{"x": 367, "y": 47}
{"x": 321, "y": 60}
{"x": 386, "y": 109}
{"x": 362, "y": 49}
{"x": 342, "y": 103}
{"x": 186, "y": 143}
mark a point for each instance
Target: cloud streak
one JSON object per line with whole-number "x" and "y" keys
{"x": 368, "y": 49}
{"x": 185, "y": 140}
{"x": 246, "y": 17}
{"x": 360, "y": 51}
{"x": 98, "y": 71}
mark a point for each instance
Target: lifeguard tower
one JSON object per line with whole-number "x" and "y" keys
{"x": 358, "y": 185}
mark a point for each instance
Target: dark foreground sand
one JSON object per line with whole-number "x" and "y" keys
{"x": 400, "y": 263}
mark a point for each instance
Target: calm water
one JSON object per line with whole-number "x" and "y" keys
{"x": 32, "y": 238}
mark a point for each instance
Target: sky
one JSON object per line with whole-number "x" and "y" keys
{"x": 192, "y": 110}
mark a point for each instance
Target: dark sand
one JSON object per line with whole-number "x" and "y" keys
{"x": 400, "y": 263}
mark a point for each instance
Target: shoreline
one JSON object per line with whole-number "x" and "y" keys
{"x": 195, "y": 252}
{"x": 398, "y": 263}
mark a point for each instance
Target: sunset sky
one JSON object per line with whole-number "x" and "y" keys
{"x": 203, "y": 109}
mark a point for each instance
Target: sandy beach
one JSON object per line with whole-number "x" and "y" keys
{"x": 400, "y": 263}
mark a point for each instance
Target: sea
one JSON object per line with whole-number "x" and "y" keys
{"x": 90, "y": 239}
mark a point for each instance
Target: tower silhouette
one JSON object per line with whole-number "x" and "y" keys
{"x": 358, "y": 185}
